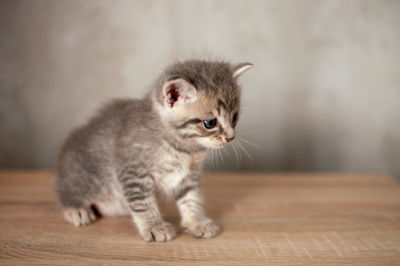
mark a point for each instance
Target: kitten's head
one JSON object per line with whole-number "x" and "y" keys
{"x": 200, "y": 101}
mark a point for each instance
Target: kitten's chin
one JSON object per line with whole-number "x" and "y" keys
{"x": 210, "y": 145}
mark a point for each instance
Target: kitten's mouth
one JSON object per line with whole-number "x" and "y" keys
{"x": 212, "y": 144}
{"x": 220, "y": 145}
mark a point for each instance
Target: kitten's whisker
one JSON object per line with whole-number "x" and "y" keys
{"x": 232, "y": 148}
{"x": 216, "y": 159}
{"x": 227, "y": 151}
{"x": 240, "y": 145}
{"x": 251, "y": 144}
{"x": 220, "y": 155}
{"x": 221, "y": 159}
{"x": 239, "y": 152}
{"x": 236, "y": 154}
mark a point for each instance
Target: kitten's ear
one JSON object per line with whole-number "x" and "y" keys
{"x": 239, "y": 69}
{"x": 178, "y": 92}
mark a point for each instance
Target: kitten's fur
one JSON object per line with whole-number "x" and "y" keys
{"x": 133, "y": 148}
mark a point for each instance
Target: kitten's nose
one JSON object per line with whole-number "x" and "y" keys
{"x": 230, "y": 139}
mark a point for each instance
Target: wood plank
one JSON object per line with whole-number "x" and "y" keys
{"x": 286, "y": 219}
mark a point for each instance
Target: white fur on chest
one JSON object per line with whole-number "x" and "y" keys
{"x": 171, "y": 169}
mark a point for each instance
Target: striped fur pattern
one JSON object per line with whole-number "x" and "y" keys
{"x": 116, "y": 163}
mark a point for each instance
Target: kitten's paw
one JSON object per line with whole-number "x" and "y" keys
{"x": 206, "y": 229}
{"x": 79, "y": 217}
{"x": 159, "y": 233}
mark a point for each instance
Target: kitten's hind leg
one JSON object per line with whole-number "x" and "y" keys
{"x": 77, "y": 204}
{"x": 76, "y": 210}
{"x": 79, "y": 216}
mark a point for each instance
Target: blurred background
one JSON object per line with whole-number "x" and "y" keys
{"x": 324, "y": 94}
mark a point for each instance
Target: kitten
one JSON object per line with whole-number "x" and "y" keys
{"x": 117, "y": 161}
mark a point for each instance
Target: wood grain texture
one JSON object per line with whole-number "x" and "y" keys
{"x": 267, "y": 219}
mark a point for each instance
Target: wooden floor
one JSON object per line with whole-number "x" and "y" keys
{"x": 296, "y": 219}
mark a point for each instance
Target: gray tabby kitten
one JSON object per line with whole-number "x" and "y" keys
{"x": 133, "y": 148}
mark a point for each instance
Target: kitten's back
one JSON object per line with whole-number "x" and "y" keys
{"x": 88, "y": 155}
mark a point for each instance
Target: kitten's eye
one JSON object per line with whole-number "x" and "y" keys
{"x": 210, "y": 123}
{"x": 234, "y": 118}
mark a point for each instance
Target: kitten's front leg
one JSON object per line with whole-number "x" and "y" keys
{"x": 139, "y": 193}
{"x": 190, "y": 205}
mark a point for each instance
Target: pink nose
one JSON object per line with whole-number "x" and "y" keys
{"x": 230, "y": 139}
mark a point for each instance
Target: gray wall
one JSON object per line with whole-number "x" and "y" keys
{"x": 324, "y": 93}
